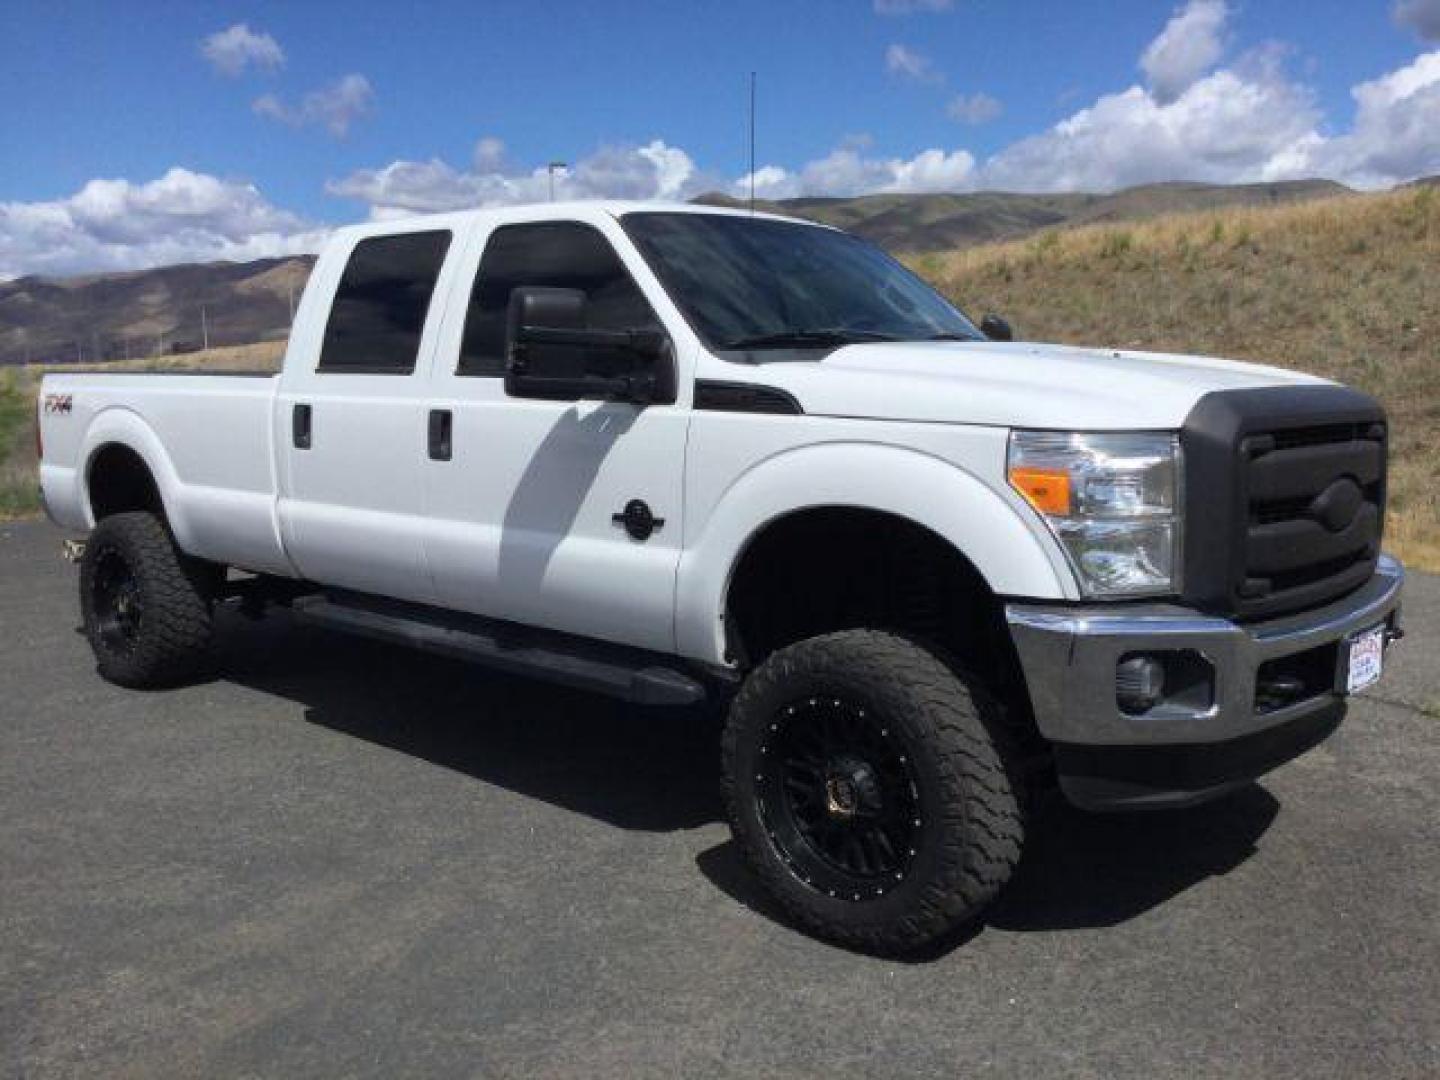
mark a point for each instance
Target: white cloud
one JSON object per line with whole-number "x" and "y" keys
{"x": 771, "y": 182}
{"x": 489, "y": 155}
{"x": 1188, "y": 47}
{"x": 906, "y": 62}
{"x": 655, "y": 170}
{"x": 1226, "y": 128}
{"x": 1421, "y": 16}
{"x": 334, "y": 107}
{"x": 1396, "y": 134}
{"x": 976, "y": 108}
{"x": 847, "y": 170}
{"x": 232, "y": 50}
{"x": 182, "y": 216}
{"x": 1247, "y": 123}
{"x": 907, "y": 7}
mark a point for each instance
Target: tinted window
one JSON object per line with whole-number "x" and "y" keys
{"x": 560, "y": 254}
{"x": 379, "y": 309}
{"x": 755, "y": 283}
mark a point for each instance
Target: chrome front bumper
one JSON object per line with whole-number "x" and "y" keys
{"x": 1069, "y": 656}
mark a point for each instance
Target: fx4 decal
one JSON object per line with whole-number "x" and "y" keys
{"x": 59, "y": 404}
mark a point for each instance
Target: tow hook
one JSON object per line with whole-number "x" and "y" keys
{"x": 72, "y": 550}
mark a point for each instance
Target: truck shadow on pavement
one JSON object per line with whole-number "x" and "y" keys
{"x": 653, "y": 770}
{"x": 656, "y": 770}
{"x": 1080, "y": 870}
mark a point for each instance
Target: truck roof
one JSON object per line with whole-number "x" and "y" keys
{"x": 570, "y": 211}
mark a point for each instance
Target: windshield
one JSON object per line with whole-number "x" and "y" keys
{"x": 761, "y": 285}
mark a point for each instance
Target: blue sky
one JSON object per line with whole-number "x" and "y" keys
{"x": 149, "y": 132}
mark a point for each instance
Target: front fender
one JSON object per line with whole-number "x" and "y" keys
{"x": 1012, "y": 552}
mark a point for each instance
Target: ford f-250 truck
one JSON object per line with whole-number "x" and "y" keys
{"x": 678, "y": 453}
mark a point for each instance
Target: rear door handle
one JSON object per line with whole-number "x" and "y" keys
{"x": 300, "y": 426}
{"x": 442, "y": 424}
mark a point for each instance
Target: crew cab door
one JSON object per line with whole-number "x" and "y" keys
{"x": 352, "y": 423}
{"x": 527, "y": 511}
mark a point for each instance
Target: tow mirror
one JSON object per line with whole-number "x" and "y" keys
{"x": 548, "y": 350}
{"x": 996, "y": 329}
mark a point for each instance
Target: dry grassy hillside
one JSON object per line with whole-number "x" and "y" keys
{"x": 1345, "y": 288}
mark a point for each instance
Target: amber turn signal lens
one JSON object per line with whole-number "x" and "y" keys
{"x": 1048, "y": 490}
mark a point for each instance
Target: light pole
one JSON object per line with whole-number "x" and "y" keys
{"x": 552, "y": 168}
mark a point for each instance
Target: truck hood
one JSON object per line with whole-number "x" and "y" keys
{"x": 1017, "y": 384}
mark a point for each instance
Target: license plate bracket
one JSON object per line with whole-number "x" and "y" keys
{"x": 1362, "y": 659}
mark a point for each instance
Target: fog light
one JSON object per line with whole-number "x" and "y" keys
{"x": 1139, "y": 683}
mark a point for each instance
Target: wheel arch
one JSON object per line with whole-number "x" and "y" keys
{"x": 124, "y": 466}
{"x": 984, "y": 531}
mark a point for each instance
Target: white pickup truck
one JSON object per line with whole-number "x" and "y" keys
{"x": 677, "y": 453}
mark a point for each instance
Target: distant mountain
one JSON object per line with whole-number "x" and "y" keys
{"x": 921, "y": 223}
{"x": 110, "y": 316}
{"x": 145, "y": 312}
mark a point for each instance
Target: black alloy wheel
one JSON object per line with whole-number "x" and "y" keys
{"x": 118, "y": 603}
{"x": 147, "y": 607}
{"x": 838, "y": 797}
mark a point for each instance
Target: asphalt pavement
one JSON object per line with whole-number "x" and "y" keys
{"x": 340, "y": 858}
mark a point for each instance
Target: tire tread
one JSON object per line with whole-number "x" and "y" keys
{"x": 176, "y": 635}
{"x": 959, "y": 722}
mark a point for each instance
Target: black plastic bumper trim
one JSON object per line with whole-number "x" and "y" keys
{"x": 1109, "y": 778}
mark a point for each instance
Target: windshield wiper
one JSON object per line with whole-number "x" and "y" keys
{"x": 948, "y": 336}
{"x": 806, "y": 339}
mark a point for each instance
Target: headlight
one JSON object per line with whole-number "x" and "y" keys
{"x": 1113, "y": 502}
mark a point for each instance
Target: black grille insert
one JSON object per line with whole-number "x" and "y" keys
{"x": 1286, "y": 497}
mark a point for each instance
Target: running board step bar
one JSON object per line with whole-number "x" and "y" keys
{"x": 628, "y": 674}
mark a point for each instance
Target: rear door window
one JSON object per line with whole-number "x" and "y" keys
{"x": 380, "y": 306}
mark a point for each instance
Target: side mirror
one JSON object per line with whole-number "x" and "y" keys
{"x": 547, "y": 343}
{"x": 996, "y": 329}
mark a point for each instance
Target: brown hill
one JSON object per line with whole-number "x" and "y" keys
{"x": 916, "y": 224}
{"x": 147, "y": 312}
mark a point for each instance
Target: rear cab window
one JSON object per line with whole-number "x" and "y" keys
{"x": 380, "y": 306}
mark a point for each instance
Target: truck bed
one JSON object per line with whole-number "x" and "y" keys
{"x": 205, "y": 436}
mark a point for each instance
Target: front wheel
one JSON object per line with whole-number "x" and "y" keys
{"x": 866, "y": 784}
{"x": 146, "y": 606}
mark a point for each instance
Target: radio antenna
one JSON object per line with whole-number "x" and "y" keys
{"x": 752, "y": 142}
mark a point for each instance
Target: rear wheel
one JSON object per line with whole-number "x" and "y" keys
{"x": 145, "y": 605}
{"x": 866, "y": 784}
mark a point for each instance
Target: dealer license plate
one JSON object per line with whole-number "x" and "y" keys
{"x": 1367, "y": 656}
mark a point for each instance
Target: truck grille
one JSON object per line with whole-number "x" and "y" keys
{"x": 1299, "y": 473}
{"x": 1314, "y": 522}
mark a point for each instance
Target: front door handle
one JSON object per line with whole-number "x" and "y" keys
{"x": 300, "y": 426}
{"x": 442, "y": 424}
